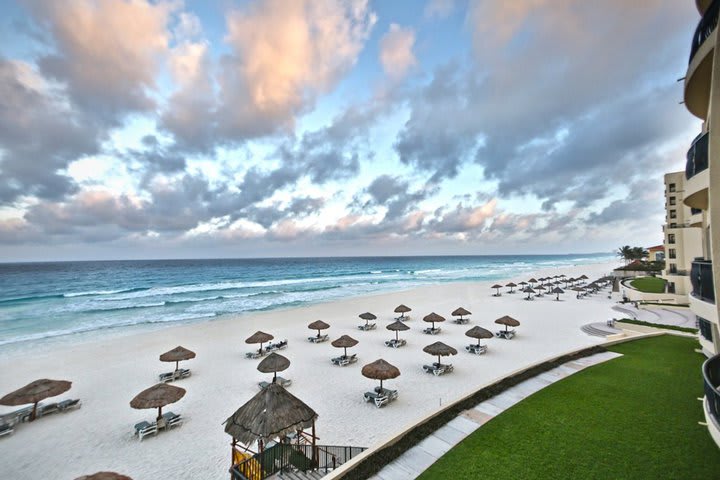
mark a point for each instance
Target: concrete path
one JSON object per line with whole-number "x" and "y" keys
{"x": 667, "y": 315}
{"x": 416, "y": 460}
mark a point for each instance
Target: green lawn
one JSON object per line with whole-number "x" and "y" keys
{"x": 635, "y": 417}
{"x": 649, "y": 284}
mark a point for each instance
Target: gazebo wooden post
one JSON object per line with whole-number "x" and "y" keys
{"x": 314, "y": 447}
{"x": 232, "y": 456}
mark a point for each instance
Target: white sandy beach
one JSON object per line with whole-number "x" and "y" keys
{"x": 107, "y": 374}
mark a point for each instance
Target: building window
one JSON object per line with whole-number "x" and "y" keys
{"x": 705, "y": 329}
{"x": 671, "y": 253}
{"x": 673, "y": 214}
{"x": 673, "y": 268}
{"x": 671, "y": 287}
{"x": 695, "y": 211}
{"x": 671, "y": 238}
{"x": 671, "y": 200}
{"x": 671, "y": 187}
{"x": 673, "y": 225}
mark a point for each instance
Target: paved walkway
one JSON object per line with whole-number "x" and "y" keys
{"x": 416, "y": 460}
{"x": 667, "y": 315}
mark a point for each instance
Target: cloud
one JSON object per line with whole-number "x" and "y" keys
{"x": 438, "y": 8}
{"x": 396, "y": 53}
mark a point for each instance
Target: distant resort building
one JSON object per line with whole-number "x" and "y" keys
{"x": 702, "y": 195}
{"x": 656, "y": 253}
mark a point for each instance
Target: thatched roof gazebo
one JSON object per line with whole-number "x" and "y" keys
{"x": 497, "y": 287}
{"x": 346, "y": 341}
{"x": 402, "y": 310}
{"x": 479, "y": 333}
{"x": 272, "y": 413}
{"x": 157, "y": 396}
{"x": 273, "y": 363}
{"x": 511, "y": 285}
{"x": 460, "y": 312}
{"x": 440, "y": 350}
{"x": 397, "y": 326}
{"x": 34, "y": 392}
{"x": 380, "y": 370}
{"x": 432, "y": 318}
{"x": 529, "y": 291}
{"x": 318, "y": 325}
{"x": 259, "y": 337}
{"x": 104, "y": 476}
{"x": 508, "y": 321}
{"x": 177, "y": 355}
{"x": 557, "y": 291}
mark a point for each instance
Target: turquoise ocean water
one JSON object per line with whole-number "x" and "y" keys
{"x": 41, "y": 301}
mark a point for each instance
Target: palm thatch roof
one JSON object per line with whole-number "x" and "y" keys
{"x": 367, "y": 316}
{"x": 259, "y": 337}
{"x": 273, "y": 363}
{"x": 433, "y": 317}
{"x": 532, "y": 280}
{"x": 273, "y": 412}
{"x": 508, "y": 321}
{"x": 380, "y": 370}
{"x": 496, "y": 286}
{"x": 36, "y": 391}
{"x": 176, "y": 355}
{"x": 104, "y": 476}
{"x": 479, "y": 332}
{"x": 529, "y": 290}
{"x": 558, "y": 290}
{"x": 511, "y": 284}
{"x": 460, "y": 311}
{"x": 346, "y": 341}
{"x": 583, "y": 277}
{"x": 318, "y": 325}
{"x": 402, "y": 309}
{"x": 397, "y": 326}
{"x": 440, "y": 349}
{"x": 157, "y": 396}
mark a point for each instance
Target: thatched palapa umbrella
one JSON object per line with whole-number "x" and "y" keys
{"x": 511, "y": 285}
{"x": 532, "y": 282}
{"x": 397, "y": 326}
{"x": 157, "y": 396}
{"x": 34, "y": 392}
{"x": 176, "y": 355}
{"x": 432, "y": 318}
{"x": 402, "y": 310}
{"x": 273, "y": 363}
{"x": 529, "y": 291}
{"x": 479, "y": 333}
{"x": 367, "y": 316}
{"x": 318, "y": 325}
{"x": 459, "y": 312}
{"x": 440, "y": 349}
{"x": 380, "y": 370}
{"x": 558, "y": 291}
{"x": 508, "y": 321}
{"x": 497, "y": 287}
{"x": 259, "y": 337}
{"x": 273, "y": 412}
{"x": 345, "y": 342}
{"x": 104, "y": 476}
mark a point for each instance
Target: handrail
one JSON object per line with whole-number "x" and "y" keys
{"x": 705, "y": 27}
{"x": 711, "y": 377}
{"x": 697, "y": 156}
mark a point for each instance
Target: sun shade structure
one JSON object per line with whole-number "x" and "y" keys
{"x": 432, "y": 318}
{"x": 318, "y": 325}
{"x": 345, "y": 342}
{"x": 177, "y": 355}
{"x": 34, "y": 392}
{"x": 498, "y": 287}
{"x": 582, "y": 277}
{"x": 104, "y": 476}
{"x": 460, "y": 312}
{"x": 259, "y": 337}
{"x": 380, "y": 370}
{"x": 440, "y": 349}
{"x": 402, "y": 310}
{"x": 397, "y": 326}
{"x": 507, "y": 321}
{"x": 479, "y": 333}
{"x": 558, "y": 291}
{"x": 157, "y": 396}
{"x": 367, "y": 316}
{"x": 273, "y": 412}
{"x": 511, "y": 285}
{"x": 273, "y": 363}
{"x": 529, "y": 291}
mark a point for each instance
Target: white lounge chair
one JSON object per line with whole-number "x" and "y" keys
{"x": 403, "y": 318}
{"x": 461, "y": 321}
{"x": 172, "y": 419}
{"x": 283, "y": 382}
{"x": 366, "y": 327}
{"x": 438, "y": 369}
{"x": 47, "y": 409}
{"x": 396, "y": 343}
{"x": 506, "y": 334}
{"x": 277, "y": 346}
{"x": 255, "y": 354}
{"x": 476, "y": 349}
{"x": 432, "y": 331}
{"x": 144, "y": 428}
{"x": 69, "y": 404}
{"x": 381, "y": 397}
{"x": 175, "y": 375}
{"x": 318, "y": 338}
{"x": 6, "y": 429}
{"x": 343, "y": 361}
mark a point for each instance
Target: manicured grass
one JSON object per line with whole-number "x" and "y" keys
{"x": 649, "y": 284}
{"x": 658, "y": 325}
{"x": 635, "y": 417}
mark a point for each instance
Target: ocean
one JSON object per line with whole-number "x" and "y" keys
{"x": 45, "y": 301}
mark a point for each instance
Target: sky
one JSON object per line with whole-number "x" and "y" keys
{"x": 264, "y": 128}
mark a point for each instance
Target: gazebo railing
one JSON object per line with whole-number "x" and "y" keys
{"x": 283, "y": 457}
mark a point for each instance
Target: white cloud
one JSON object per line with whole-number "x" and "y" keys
{"x": 396, "y": 51}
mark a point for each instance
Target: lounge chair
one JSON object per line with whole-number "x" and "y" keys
{"x": 396, "y": 343}
{"x": 47, "y": 409}
{"x": 6, "y": 429}
{"x": 343, "y": 360}
{"x": 24, "y": 414}
{"x": 144, "y": 428}
{"x": 172, "y": 419}
{"x": 498, "y": 294}
{"x": 438, "y": 369}
{"x": 432, "y": 331}
{"x": 461, "y": 321}
{"x": 381, "y": 397}
{"x": 277, "y": 346}
{"x": 255, "y": 354}
{"x": 175, "y": 375}
{"x": 403, "y": 318}
{"x": 69, "y": 404}
{"x": 367, "y": 326}
{"x": 283, "y": 382}
{"x": 506, "y": 334}
{"x": 318, "y": 339}
{"x": 529, "y": 298}
{"x": 476, "y": 349}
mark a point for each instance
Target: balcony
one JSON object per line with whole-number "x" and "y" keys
{"x": 699, "y": 73}
{"x": 701, "y": 277}
{"x": 711, "y": 380}
{"x": 697, "y": 156}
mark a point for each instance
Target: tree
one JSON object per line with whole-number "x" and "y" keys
{"x": 626, "y": 253}
{"x": 638, "y": 253}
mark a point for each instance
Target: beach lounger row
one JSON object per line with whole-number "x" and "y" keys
{"x": 8, "y": 421}
{"x": 462, "y": 321}
{"x": 366, "y": 327}
{"x": 271, "y": 347}
{"x": 506, "y": 334}
{"x": 396, "y": 343}
{"x": 432, "y": 331}
{"x": 176, "y": 375}
{"x": 168, "y": 420}
{"x": 381, "y": 397}
{"x": 343, "y": 360}
{"x": 476, "y": 349}
{"x": 318, "y": 338}
{"x": 438, "y": 369}
{"x": 283, "y": 382}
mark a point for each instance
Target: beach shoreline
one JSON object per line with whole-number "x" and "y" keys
{"x": 107, "y": 372}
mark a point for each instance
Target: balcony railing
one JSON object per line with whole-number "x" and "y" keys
{"x": 707, "y": 24}
{"x": 711, "y": 378}
{"x": 697, "y": 156}
{"x": 701, "y": 277}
